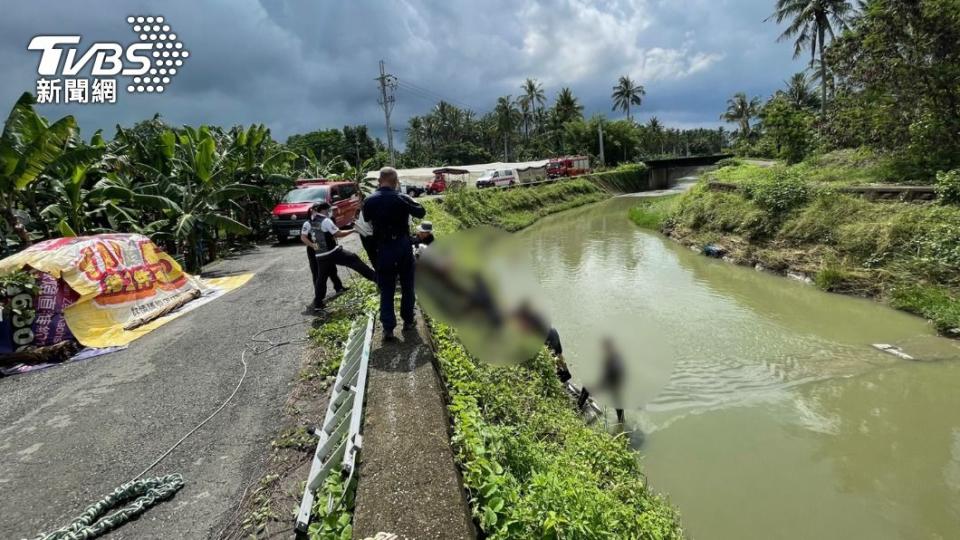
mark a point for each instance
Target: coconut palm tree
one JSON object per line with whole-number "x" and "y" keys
{"x": 531, "y": 101}
{"x": 811, "y": 22}
{"x": 655, "y": 128}
{"x": 506, "y": 115}
{"x": 799, "y": 93}
{"x": 817, "y": 70}
{"x": 566, "y": 107}
{"x": 740, "y": 110}
{"x": 625, "y": 94}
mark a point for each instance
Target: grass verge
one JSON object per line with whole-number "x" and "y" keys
{"x": 653, "y": 212}
{"x": 509, "y": 209}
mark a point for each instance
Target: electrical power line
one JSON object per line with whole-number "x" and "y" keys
{"x": 411, "y": 87}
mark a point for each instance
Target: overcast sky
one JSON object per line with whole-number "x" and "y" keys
{"x": 300, "y": 65}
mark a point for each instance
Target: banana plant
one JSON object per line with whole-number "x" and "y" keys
{"x": 28, "y": 146}
{"x": 204, "y": 192}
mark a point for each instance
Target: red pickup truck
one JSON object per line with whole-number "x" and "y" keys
{"x": 290, "y": 214}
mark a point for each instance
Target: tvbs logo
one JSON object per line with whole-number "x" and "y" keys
{"x": 150, "y": 63}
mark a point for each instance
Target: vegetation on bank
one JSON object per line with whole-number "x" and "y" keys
{"x": 884, "y": 74}
{"x": 509, "y": 209}
{"x": 652, "y": 213}
{"x": 627, "y": 178}
{"x": 532, "y": 467}
{"x": 792, "y": 218}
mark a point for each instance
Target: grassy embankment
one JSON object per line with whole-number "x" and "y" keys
{"x": 532, "y": 468}
{"x": 791, "y": 218}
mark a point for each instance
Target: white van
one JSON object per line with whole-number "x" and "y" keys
{"x": 498, "y": 178}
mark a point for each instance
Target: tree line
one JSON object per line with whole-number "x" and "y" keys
{"x": 526, "y": 127}
{"x": 883, "y": 74}
{"x": 193, "y": 191}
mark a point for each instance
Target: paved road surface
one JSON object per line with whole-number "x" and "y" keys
{"x": 71, "y": 434}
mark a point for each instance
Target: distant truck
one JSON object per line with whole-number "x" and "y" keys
{"x": 530, "y": 175}
{"x": 567, "y": 166}
{"x": 447, "y": 178}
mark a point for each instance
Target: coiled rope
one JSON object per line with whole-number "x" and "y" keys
{"x": 144, "y": 494}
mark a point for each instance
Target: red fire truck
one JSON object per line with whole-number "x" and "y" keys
{"x": 568, "y": 166}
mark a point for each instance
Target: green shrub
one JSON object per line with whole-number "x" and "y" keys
{"x": 934, "y": 303}
{"x": 779, "y": 194}
{"x": 819, "y": 221}
{"x": 740, "y": 174}
{"x": 653, "y": 213}
{"x": 721, "y": 212}
{"x": 730, "y": 162}
{"x": 948, "y": 186}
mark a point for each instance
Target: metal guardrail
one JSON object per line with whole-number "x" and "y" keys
{"x": 339, "y": 436}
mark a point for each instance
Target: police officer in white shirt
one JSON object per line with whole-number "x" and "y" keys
{"x": 320, "y": 235}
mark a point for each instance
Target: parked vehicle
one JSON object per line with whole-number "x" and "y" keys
{"x": 439, "y": 184}
{"x": 498, "y": 178}
{"x": 568, "y": 166}
{"x": 412, "y": 190}
{"x": 290, "y": 214}
{"x": 530, "y": 175}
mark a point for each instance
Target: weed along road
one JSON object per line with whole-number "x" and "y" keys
{"x": 758, "y": 402}
{"x": 71, "y": 434}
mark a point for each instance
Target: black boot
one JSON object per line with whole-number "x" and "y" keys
{"x": 584, "y": 396}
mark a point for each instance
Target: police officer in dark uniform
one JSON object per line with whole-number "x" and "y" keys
{"x": 320, "y": 235}
{"x": 389, "y": 212}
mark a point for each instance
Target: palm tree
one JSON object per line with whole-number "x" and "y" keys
{"x": 798, "y": 92}
{"x": 741, "y": 111}
{"x": 817, "y": 71}
{"x": 566, "y": 107}
{"x": 656, "y": 130}
{"x": 506, "y": 115}
{"x": 627, "y": 93}
{"x": 811, "y": 21}
{"x": 532, "y": 100}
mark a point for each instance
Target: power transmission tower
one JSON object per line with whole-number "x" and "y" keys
{"x": 388, "y": 83}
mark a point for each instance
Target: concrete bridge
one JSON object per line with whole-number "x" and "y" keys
{"x": 663, "y": 172}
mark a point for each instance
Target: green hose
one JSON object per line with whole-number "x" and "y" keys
{"x": 93, "y": 523}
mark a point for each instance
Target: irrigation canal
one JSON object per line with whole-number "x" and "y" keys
{"x": 758, "y": 403}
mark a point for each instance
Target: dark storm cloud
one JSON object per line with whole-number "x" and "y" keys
{"x": 298, "y": 65}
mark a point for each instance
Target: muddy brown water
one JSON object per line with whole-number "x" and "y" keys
{"x": 757, "y": 402}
